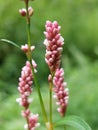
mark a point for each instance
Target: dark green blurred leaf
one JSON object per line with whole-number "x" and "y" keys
{"x": 10, "y": 42}
{"x": 73, "y": 121}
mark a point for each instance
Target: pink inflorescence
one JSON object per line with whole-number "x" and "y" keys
{"x": 53, "y": 42}
{"x": 25, "y": 83}
{"x": 61, "y": 93}
{"x": 25, "y": 89}
{"x": 32, "y": 120}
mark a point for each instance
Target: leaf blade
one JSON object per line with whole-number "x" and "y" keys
{"x": 73, "y": 121}
{"x": 10, "y": 42}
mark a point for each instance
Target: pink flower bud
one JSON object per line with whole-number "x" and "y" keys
{"x": 31, "y": 11}
{"x": 25, "y": 113}
{"x": 50, "y": 78}
{"x": 26, "y": 48}
{"x": 32, "y": 48}
{"x": 22, "y": 12}
{"x": 34, "y": 64}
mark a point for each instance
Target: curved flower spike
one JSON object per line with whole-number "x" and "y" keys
{"x": 54, "y": 43}
{"x": 24, "y": 87}
{"x": 61, "y": 92}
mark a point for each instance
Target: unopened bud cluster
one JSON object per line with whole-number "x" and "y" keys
{"x": 25, "y": 83}
{"x": 32, "y": 120}
{"x": 26, "y": 49}
{"x": 25, "y": 90}
{"x": 53, "y": 42}
{"x": 61, "y": 92}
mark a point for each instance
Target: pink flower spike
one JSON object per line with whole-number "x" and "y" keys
{"x": 33, "y": 121}
{"x": 54, "y": 45}
{"x": 61, "y": 93}
{"x": 25, "y": 89}
{"x": 25, "y": 83}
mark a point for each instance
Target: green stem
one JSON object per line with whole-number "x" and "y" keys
{"x": 28, "y": 25}
{"x": 40, "y": 98}
{"x": 51, "y": 86}
{"x": 64, "y": 127}
{"x": 30, "y": 60}
{"x": 51, "y": 103}
{"x": 27, "y": 121}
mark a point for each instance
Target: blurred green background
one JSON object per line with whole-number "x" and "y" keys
{"x": 79, "y": 22}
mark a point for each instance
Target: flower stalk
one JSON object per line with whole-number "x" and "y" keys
{"x": 28, "y": 49}
{"x": 40, "y": 98}
{"x": 29, "y": 58}
{"x": 28, "y": 24}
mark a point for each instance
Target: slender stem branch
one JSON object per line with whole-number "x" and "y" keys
{"x": 30, "y": 60}
{"x": 40, "y": 98}
{"x": 50, "y": 102}
{"x": 27, "y": 123}
{"x": 28, "y": 25}
{"x": 64, "y": 127}
{"x": 51, "y": 112}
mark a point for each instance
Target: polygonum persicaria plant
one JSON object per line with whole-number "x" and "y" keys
{"x": 57, "y": 86}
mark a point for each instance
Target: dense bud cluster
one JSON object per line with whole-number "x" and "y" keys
{"x": 25, "y": 83}
{"x": 25, "y": 89}
{"x": 53, "y": 42}
{"x": 61, "y": 93}
{"x": 32, "y": 120}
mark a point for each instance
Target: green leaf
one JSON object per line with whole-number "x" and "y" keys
{"x": 10, "y": 42}
{"x": 73, "y": 121}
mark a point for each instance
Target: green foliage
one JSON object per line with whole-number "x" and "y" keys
{"x": 73, "y": 121}
{"x": 10, "y": 42}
